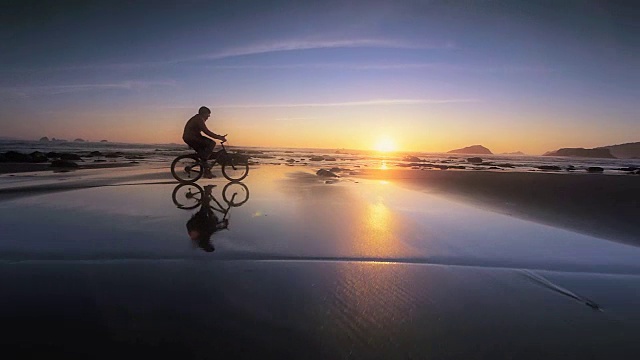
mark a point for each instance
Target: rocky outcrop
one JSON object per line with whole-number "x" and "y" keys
{"x": 326, "y": 173}
{"x": 79, "y": 140}
{"x": 474, "y": 149}
{"x": 603, "y": 153}
{"x": 411, "y": 158}
{"x": 44, "y": 139}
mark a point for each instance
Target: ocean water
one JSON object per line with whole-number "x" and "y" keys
{"x": 342, "y": 158}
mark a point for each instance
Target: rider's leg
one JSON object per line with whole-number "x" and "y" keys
{"x": 209, "y": 148}
{"x": 207, "y": 154}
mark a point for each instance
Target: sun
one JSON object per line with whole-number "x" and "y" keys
{"x": 385, "y": 145}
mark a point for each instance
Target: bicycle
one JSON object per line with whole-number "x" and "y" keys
{"x": 190, "y": 167}
{"x": 190, "y": 195}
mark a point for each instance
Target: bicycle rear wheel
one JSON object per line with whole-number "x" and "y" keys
{"x": 235, "y": 168}
{"x": 187, "y": 196}
{"x": 187, "y": 168}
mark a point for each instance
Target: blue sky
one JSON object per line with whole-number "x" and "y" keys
{"x": 426, "y": 75}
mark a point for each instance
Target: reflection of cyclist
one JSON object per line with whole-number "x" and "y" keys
{"x": 192, "y": 135}
{"x": 204, "y": 223}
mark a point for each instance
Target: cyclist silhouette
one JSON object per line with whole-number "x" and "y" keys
{"x": 192, "y": 136}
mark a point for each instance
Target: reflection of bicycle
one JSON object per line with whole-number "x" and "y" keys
{"x": 190, "y": 195}
{"x": 204, "y": 222}
{"x": 190, "y": 168}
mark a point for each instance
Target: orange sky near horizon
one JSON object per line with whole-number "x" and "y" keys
{"x": 409, "y": 129}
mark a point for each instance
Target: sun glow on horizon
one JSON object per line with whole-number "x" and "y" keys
{"x": 385, "y": 145}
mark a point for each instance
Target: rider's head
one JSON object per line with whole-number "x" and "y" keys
{"x": 204, "y": 111}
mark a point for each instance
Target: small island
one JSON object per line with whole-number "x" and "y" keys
{"x": 474, "y": 149}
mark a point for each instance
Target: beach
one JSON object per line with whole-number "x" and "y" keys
{"x": 399, "y": 263}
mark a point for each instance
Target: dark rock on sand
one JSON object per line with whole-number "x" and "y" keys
{"x": 474, "y": 149}
{"x": 325, "y": 173}
{"x": 103, "y": 141}
{"x": 70, "y": 156}
{"x": 474, "y": 160}
{"x": 581, "y": 152}
{"x": 53, "y": 154}
{"x": 95, "y": 153}
{"x": 14, "y": 156}
{"x": 38, "y": 157}
{"x": 411, "y": 159}
{"x": 316, "y": 158}
{"x": 595, "y": 169}
{"x": 549, "y": 167}
{"x": 63, "y": 164}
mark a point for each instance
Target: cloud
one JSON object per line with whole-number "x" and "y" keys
{"x": 302, "y": 44}
{"x": 353, "y": 103}
{"x": 505, "y": 69}
{"x": 25, "y": 91}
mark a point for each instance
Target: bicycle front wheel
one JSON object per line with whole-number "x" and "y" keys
{"x": 235, "y": 193}
{"x": 186, "y": 168}
{"x": 235, "y": 168}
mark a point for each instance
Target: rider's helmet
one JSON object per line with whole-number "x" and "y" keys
{"x": 204, "y": 110}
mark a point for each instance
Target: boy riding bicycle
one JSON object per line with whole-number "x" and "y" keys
{"x": 192, "y": 136}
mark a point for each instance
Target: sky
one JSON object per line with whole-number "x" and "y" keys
{"x": 433, "y": 76}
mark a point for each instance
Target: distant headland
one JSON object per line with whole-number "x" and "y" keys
{"x": 621, "y": 151}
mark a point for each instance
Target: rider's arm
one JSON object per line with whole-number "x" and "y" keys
{"x": 205, "y": 130}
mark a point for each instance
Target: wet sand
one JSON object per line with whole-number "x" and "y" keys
{"x": 378, "y": 265}
{"x": 601, "y": 205}
{"x": 12, "y": 168}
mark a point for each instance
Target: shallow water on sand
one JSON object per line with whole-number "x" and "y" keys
{"x": 305, "y": 269}
{"x": 293, "y": 214}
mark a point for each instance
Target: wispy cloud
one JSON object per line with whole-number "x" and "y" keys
{"x": 26, "y": 91}
{"x": 261, "y": 48}
{"x": 309, "y": 44}
{"x": 506, "y": 69}
{"x": 373, "y": 102}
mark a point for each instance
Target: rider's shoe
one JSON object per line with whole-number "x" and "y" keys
{"x": 208, "y": 175}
